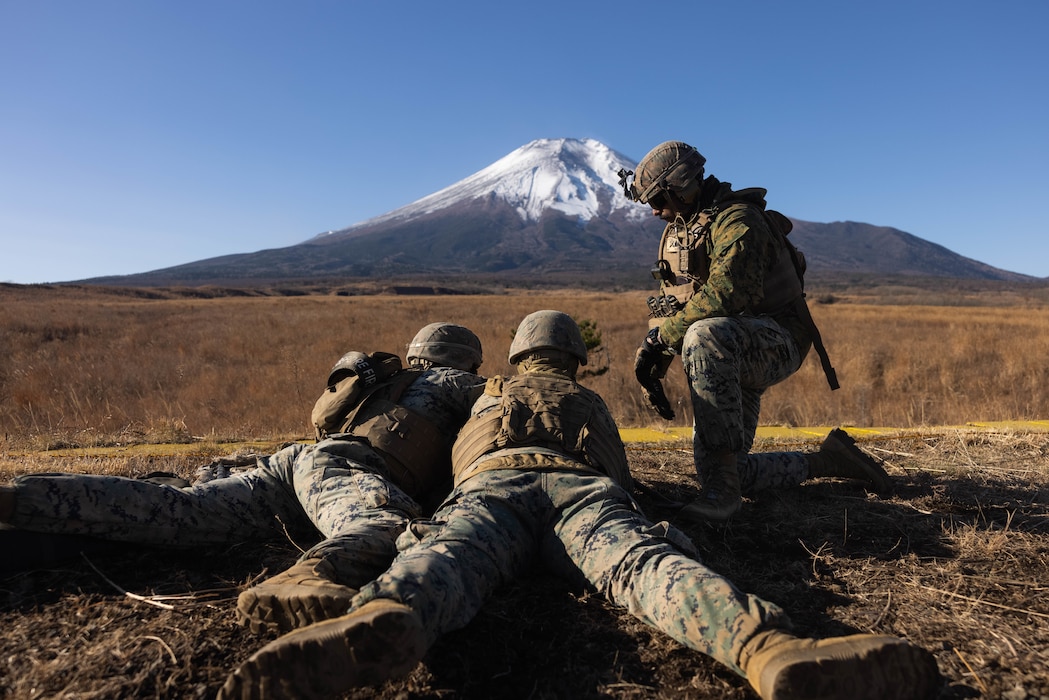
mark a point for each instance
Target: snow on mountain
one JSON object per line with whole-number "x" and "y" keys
{"x": 552, "y": 209}
{"x": 576, "y": 177}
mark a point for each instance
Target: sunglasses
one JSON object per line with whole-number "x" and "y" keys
{"x": 658, "y": 199}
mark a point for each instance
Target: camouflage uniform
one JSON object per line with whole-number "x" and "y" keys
{"x": 340, "y": 487}
{"x": 574, "y": 517}
{"x": 733, "y": 340}
{"x": 541, "y": 478}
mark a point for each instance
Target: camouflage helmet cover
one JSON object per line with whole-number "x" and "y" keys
{"x": 448, "y": 345}
{"x": 672, "y": 165}
{"x": 547, "y": 329}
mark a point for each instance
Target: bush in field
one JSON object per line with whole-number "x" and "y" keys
{"x": 591, "y": 335}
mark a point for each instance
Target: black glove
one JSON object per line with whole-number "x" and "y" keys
{"x": 651, "y": 362}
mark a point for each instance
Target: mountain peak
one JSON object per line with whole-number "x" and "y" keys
{"x": 575, "y": 177}
{"x": 552, "y": 207}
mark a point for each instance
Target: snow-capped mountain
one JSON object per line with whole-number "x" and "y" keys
{"x": 576, "y": 177}
{"x": 553, "y": 210}
{"x": 551, "y": 206}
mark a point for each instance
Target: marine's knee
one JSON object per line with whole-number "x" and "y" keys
{"x": 711, "y": 334}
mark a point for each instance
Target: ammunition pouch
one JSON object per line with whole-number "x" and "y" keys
{"x": 415, "y": 451}
{"x": 664, "y": 306}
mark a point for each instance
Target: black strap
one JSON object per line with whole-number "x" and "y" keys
{"x": 802, "y": 306}
{"x": 817, "y": 342}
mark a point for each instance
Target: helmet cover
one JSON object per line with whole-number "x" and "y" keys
{"x": 447, "y": 345}
{"x": 548, "y": 330}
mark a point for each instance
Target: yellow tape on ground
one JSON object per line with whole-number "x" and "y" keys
{"x": 629, "y": 435}
{"x": 819, "y": 432}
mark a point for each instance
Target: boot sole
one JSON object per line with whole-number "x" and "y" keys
{"x": 283, "y": 608}
{"x": 381, "y": 641}
{"x": 887, "y": 668}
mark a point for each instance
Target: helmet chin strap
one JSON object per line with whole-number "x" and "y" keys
{"x": 685, "y": 208}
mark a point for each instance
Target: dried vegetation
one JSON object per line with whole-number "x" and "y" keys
{"x": 957, "y": 559}
{"x": 87, "y": 366}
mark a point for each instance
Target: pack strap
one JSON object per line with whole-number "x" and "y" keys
{"x": 782, "y": 225}
{"x": 817, "y": 342}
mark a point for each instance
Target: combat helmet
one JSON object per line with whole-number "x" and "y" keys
{"x": 672, "y": 166}
{"x": 447, "y": 345}
{"x": 548, "y": 330}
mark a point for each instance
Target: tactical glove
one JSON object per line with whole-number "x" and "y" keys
{"x": 651, "y": 362}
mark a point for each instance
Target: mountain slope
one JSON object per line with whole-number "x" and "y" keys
{"x": 851, "y": 247}
{"x": 553, "y": 206}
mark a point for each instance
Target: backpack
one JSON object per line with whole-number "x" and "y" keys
{"x": 355, "y": 376}
{"x": 782, "y": 226}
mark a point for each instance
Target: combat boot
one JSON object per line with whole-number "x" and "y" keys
{"x": 780, "y": 666}
{"x": 839, "y": 456}
{"x": 381, "y": 640}
{"x": 304, "y": 594}
{"x": 720, "y": 497}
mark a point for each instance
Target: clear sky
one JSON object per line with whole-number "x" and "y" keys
{"x": 139, "y": 134}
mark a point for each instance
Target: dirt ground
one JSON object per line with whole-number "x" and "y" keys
{"x": 957, "y": 561}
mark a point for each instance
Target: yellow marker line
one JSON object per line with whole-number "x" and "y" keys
{"x": 819, "y": 432}
{"x": 629, "y": 435}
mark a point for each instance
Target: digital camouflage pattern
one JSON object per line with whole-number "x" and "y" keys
{"x": 339, "y": 488}
{"x": 497, "y": 525}
{"x": 446, "y": 344}
{"x": 730, "y": 361}
{"x": 548, "y": 330}
{"x": 736, "y": 251}
{"x": 672, "y": 165}
{"x": 718, "y": 267}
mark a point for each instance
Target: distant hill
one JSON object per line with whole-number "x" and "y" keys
{"x": 552, "y": 208}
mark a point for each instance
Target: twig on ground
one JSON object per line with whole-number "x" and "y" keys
{"x": 162, "y": 643}
{"x": 133, "y": 596}
{"x": 966, "y": 664}
{"x": 977, "y": 600}
{"x": 190, "y": 599}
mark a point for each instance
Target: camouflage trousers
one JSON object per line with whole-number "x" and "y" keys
{"x": 730, "y": 362}
{"x": 338, "y": 488}
{"x": 582, "y": 527}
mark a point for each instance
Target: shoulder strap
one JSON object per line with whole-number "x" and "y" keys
{"x": 388, "y": 390}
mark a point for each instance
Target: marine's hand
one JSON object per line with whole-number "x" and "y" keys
{"x": 653, "y": 358}
{"x": 655, "y": 396}
{"x": 650, "y": 366}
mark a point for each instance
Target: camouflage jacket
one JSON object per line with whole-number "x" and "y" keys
{"x": 737, "y": 252}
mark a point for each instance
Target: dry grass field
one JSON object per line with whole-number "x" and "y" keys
{"x": 957, "y": 560}
{"x": 95, "y": 366}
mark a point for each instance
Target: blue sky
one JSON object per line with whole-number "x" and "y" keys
{"x": 136, "y": 135}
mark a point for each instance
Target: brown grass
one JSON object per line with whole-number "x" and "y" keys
{"x": 94, "y": 367}
{"x": 956, "y": 561}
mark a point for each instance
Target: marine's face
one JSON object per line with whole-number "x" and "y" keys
{"x": 664, "y": 206}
